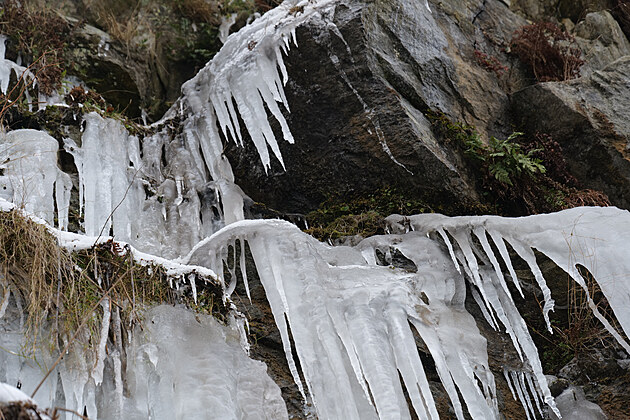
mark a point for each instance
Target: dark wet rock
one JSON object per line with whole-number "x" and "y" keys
{"x": 121, "y": 80}
{"x": 359, "y": 93}
{"x": 557, "y": 385}
{"x": 589, "y": 118}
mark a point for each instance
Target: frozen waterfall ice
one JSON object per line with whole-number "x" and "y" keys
{"x": 353, "y": 320}
{"x": 30, "y": 175}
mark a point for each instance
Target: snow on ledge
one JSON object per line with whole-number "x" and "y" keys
{"x": 77, "y": 242}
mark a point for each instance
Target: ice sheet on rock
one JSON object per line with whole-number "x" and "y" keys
{"x": 16, "y": 369}
{"x": 107, "y": 183}
{"x": 146, "y": 192}
{"x": 208, "y": 377}
{"x": 574, "y": 406}
{"x": 31, "y": 177}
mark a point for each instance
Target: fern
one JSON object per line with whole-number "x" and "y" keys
{"x": 508, "y": 160}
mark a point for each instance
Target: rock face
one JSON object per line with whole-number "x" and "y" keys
{"x": 589, "y": 118}
{"x": 359, "y": 93}
{"x": 602, "y": 41}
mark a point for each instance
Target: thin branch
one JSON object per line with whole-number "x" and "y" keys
{"x": 111, "y": 214}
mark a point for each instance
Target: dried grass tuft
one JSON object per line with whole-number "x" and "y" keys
{"x": 62, "y": 292}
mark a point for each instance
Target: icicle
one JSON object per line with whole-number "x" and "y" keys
{"x": 5, "y": 300}
{"x": 480, "y": 233}
{"x": 509, "y": 382}
{"x": 534, "y": 392}
{"x": 484, "y": 310}
{"x": 118, "y": 381}
{"x": 97, "y": 372}
{"x": 243, "y": 266}
{"x": 449, "y": 245}
{"x": 522, "y": 393}
{"x": 246, "y": 71}
{"x": 71, "y": 147}
{"x": 498, "y": 241}
{"x": 464, "y": 245}
{"x": 528, "y": 400}
{"x": 527, "y": 254}
{"x": 179, "y": 183}
{"x": 63, "y": 185}
{"x": 224, "y": 28}
{"x": 193, "y": 286}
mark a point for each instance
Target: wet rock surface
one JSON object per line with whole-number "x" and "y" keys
{"x": 358, "y": 95}
{"x": 589, "y": 118}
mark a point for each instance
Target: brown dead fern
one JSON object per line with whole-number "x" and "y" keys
{"x": 551, "y": 52}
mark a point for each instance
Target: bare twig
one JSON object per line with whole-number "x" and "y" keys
{"x": 111, "y": 214}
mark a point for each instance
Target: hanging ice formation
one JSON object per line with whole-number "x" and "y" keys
{"x": 31, "y": 176}
{"x": 348, "y": 316}
{"x": 351, "y": 320}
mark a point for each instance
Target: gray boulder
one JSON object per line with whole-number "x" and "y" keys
{"x": 590, "y": 118}
{"x": 601, "y": 40}
{"x": 359, "y": 93}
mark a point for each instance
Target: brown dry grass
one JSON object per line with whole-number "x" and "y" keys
{"x": 40, "y": 36}
{"x": 61, "y": 292}
{"x": 199, "y": 11}
{"x": 31, "y": 264}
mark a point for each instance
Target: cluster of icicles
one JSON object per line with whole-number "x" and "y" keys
{"x": 350, "y": 317}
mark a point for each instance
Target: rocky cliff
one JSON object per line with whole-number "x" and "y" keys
{"x": 393, "y": 110}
